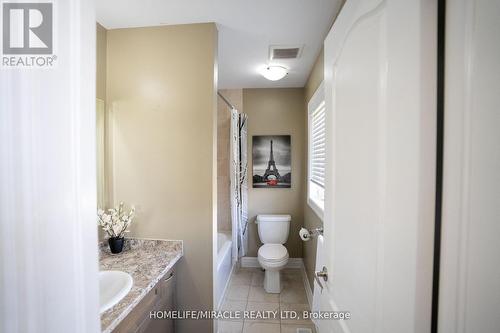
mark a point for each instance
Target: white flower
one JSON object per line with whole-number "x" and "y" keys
{"x": 115, "y": 222}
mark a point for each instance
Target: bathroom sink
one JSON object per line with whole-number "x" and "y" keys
{"x": 113, "y": 286}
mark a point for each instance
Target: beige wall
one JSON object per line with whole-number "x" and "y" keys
{"x": 311, "y": 220}
{"x": 277, "y": 112}
{"x": 161, "y": 97}
{"x": 101, "y": 46}
{"x": 100, "y": 62}
{"x": 315, "y": 77}
{"x": 235, "y": 97}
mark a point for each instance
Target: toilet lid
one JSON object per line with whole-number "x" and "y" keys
{"x": 273, "y": 252}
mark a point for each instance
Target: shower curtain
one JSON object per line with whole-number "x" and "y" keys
{"x": 239, "y": 184}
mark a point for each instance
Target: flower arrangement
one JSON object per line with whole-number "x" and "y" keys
{"x": 115, "y": 221}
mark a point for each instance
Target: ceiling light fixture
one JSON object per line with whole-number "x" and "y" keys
{"x": 274, "y": 73}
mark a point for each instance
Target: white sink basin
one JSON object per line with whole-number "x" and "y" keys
{"x": 113, "y": 286}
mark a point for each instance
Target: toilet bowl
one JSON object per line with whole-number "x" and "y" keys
{"x": 272, "y": 258}
{"x": 272, "y": 255}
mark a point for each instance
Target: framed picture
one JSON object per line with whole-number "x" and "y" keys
{"x": 272, "y": 161}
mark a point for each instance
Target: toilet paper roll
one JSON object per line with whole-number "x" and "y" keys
{"x": 304, "y": 234}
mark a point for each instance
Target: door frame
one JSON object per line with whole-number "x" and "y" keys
{"x": 467, "y": 274}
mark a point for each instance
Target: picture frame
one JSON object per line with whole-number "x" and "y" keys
{"x": 271, "y": 161}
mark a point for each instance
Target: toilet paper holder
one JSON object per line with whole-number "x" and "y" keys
{"x": 306, "y": 234}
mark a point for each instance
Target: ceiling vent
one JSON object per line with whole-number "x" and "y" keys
{"x": 279, "y": 52}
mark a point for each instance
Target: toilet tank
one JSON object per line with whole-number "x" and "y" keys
{"x": 273, "y": 229}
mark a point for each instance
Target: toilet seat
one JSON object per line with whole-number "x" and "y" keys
{"x": 273, "y": 253}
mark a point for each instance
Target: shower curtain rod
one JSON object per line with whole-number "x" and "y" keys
{"x": 226, "y": 101}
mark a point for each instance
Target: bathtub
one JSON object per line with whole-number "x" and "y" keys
{"x": 224, "y": 264}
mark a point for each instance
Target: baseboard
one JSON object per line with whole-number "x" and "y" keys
{"x": 249, "y": 262}
{"x": 295, "y": 263}
{"x": 253, "y": 262}
{"x": 307, "y": 286}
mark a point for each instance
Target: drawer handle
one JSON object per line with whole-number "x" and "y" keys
{"x": 169, "y": 277}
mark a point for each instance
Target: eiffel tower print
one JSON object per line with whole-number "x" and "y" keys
{"x": 271, "y": 166}
{"x": 271, "y": 161}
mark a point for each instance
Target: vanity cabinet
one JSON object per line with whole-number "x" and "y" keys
{"x": 160, "y": 298}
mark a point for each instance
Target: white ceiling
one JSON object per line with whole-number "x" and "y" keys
{"x": 246, "y": 30}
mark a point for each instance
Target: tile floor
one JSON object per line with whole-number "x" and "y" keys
{"x": 246, "y": 292}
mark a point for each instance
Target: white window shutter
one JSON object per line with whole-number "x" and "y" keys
{"x": 317, "y": 152}
{"x": 317, "y": 144}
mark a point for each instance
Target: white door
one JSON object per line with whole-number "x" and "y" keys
{"x": 380, "y": 85}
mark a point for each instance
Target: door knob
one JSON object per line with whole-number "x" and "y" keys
{"x": 321, "y": 274}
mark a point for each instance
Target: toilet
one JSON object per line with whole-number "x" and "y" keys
{"x": 272, "y": 255}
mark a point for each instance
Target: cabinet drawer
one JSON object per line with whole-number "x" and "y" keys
{"x": 166, "y": 302}
{"x": 167, "y": 287}
{"x": 161, "y": 296}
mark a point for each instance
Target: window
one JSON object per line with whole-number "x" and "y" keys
{"x": 317, "y": 150}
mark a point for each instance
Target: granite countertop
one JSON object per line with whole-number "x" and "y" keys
{"x": 147, "y": 261}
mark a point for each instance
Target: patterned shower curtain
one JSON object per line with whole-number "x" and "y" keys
{"x": 239, "y": 184}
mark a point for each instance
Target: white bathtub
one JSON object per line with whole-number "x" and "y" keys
{"x": 224, "y": 264}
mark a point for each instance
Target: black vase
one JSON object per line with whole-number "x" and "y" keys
{"x": 115, "y": 244}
